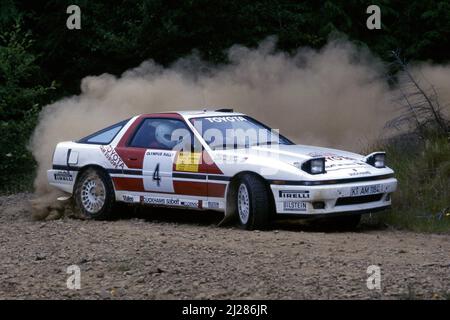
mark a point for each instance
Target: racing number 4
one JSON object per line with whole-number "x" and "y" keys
{"x": 156, "y": 176}
{"x": 157, "y": 169}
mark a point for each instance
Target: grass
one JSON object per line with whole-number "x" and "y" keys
{"x": 422, "y": 201}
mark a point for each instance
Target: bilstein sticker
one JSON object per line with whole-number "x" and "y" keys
{"x": 294, "y": 206}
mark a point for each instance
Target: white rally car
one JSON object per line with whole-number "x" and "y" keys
{"x": 218, "y": 160}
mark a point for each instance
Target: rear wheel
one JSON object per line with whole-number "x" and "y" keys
{"x": 94, "y": 194}
{"x": 252, "y": 203}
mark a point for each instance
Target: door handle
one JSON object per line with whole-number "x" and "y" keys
{"x": 132, "y": 159}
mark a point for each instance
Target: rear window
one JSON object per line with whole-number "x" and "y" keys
{"x": 104, "y": 136}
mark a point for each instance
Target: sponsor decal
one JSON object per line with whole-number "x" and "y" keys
{"x": 170, "y": 202}
{"x": 358, "y": 173}
{"x": 226, "y": 119}
{"x": 336, "y": 161}
{"x": 173, "y": 202}
{"x": 150, "y": 200}
{"x": 63, "y": 176}
{"x": 159, "y": 153}
{"x": 213, "y": 204}
{"x": 189, "y": 203}
{"x": 333, "y": 165}
{"x": 330, "y": 156}
{"x": 130, "y": 198}
{"x": 294, "y": 206}
{"x": 365, "y": 190}
{"x": 294, "y": 194}
{"x": 112, "y": 156}
{"x": 188, "y": 161}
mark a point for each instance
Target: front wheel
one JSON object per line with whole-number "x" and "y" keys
{"x": 94, "y": 194}
{"x": 252, "y": 205}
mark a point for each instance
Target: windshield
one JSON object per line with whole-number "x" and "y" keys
{"x": 228, "y": 132}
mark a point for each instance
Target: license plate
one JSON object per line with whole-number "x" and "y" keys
{"x": 365, "y": 190}
{"x": 294, "y": 205}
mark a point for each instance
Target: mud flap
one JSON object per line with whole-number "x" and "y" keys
{"x": 68, "y": 204}
{"x": 64, "y": 198}
{"x": 228, "y": 218}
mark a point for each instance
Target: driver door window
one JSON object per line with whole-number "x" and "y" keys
{"x": 165, "y": 134}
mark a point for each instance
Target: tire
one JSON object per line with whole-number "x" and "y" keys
{"x": 252, "y": 203}
{"x": 94, "y": 194}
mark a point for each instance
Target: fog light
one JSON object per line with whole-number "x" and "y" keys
{"x": 314, "y": 166}
{"x": 317, "y": 166}
{"x": 388, "y": 197}
{"x": 318, "y": 205}
{"x": 377, "y": 159}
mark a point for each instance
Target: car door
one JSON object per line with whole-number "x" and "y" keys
{"x": 160, "y": 159}
{"x": 156, "y": 136}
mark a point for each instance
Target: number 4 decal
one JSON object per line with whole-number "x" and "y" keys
{"x": 157, "y": 170}
{"x": 156, "y": 176}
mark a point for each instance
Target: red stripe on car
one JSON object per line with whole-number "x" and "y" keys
{"x": 216, "y": 190}
{"x": 128, "y": 184}
{"x": 188, "y": 188}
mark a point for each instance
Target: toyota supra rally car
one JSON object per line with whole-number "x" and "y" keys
{"x": 218, "y": 160}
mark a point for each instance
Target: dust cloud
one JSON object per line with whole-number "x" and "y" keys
{"x": 336, "y": 96}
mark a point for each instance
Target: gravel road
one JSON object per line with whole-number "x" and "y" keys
{"x": 183, "y": 255}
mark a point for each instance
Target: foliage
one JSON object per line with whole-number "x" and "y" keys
{"x": 21, "y": 96}
{"x": 422, "y": 201}
{"x": 116, "y": 35}
{"x": 420, "y": 156}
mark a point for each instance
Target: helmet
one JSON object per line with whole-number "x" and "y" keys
{"x": 163, "y": 134}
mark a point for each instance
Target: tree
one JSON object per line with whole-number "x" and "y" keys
{"x": 21, "y": 97}
{"x": 420, "y": 108}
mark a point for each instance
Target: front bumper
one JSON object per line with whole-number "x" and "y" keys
{"x": 331, "y": 199}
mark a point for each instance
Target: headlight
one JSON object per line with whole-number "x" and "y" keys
{"x": 377, "y": 159}
{"x": 314, "y": 166}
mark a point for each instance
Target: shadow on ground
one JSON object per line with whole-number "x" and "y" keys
{"x": 213, "y": 218}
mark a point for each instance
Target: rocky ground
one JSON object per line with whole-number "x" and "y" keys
{"x": 183, "y": 255}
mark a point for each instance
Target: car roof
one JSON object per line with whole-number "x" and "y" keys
{"x": 200, "y": 113}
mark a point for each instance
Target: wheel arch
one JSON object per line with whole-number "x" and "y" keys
{"x": 231, "y": 192}
{"x": 92, "y": 166}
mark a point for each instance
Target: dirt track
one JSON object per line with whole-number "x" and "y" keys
{"x": 182, "y": 255}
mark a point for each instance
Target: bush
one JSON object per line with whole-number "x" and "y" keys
{"x": 422, "y": 201}
{"x": 21, "y": 98}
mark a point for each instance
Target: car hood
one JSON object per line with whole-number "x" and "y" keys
{"x": 297, "y": 154}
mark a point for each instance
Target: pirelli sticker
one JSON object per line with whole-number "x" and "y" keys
{"x": 293, "y": 194}
{"x": 188, "y": 161}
